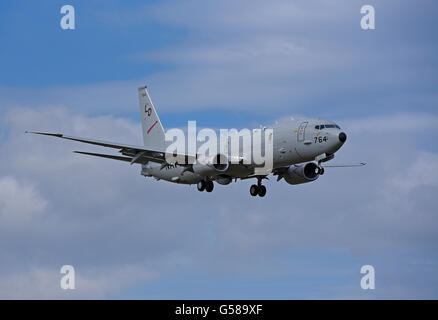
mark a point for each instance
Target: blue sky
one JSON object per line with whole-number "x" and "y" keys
{"x": 223, "y": 65}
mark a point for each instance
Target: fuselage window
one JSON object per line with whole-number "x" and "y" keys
{"x": 329, "y": 125}
{"x": 321, "y": 126}
{"x": 317, "y": 127}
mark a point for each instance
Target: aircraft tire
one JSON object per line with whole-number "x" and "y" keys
{"x": 262, "y": 191}
{"x": 254, "y": 190}
{"x": 201, "y": 185}
{"x": 209, "y": 186}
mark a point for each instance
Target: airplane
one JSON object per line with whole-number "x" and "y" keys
{"x": 300, "y": 149}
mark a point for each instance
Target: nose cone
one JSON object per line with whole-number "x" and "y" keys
{"x": 342, "y": 137}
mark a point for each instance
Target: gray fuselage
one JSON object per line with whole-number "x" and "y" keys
{"x": 294, "y": 142}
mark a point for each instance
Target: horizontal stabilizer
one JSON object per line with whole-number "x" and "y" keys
{"x": 108, "y": 156}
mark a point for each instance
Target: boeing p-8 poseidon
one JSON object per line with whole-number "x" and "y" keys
{"x": 300, "y": 149}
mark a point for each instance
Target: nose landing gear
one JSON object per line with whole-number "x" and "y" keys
{"x": 258, "y": 189}
{"x": 323, "y": 158}
{"x": 254, "y": 190}
{"x": 320, "y": 170}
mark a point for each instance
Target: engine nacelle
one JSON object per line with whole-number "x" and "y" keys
{"x": 223, "y": 180}
{"x": 215, "y": 165}
{"x": 298, "y": 174}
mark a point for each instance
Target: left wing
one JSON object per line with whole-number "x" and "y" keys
{"x": 133, "y": 154}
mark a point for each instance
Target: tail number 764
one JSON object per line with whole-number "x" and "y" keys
{"x": 321, "y": 139}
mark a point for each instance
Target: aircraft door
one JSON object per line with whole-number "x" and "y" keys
{"x": 301, "y": 132}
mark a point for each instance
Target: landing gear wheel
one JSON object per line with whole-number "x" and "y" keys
{"x": 201, "y": 185}
{"x": 254, "y": 190}
{"x": 209, "y": 186}
{"x": 262, "y": 191}
{"x": 321, "y": 171}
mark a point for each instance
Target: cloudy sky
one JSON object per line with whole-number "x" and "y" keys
{"x": 224, "y": 64}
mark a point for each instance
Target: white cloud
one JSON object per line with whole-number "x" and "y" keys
{"x": 257, "y": 57}
{"x": 260, "y": 57}
{"x": 102, "y": 98}
{"x": 44, "y": 283}
{"x": 19, "y": 201}
{"x": 422, "y": 173}
{"x": 104, "y": 216}
{"x": 279, "y": 16}
{"x": 401, "y": 122}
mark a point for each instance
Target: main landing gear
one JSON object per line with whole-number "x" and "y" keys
{"x": 206, "y": 185}
{"x": 258, "y": 189}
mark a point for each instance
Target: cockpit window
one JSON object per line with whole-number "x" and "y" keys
{"x": 322, "y": 126}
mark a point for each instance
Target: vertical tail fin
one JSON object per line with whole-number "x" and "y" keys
{"x": 152, "y": 129}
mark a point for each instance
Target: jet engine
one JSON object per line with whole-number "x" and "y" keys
{"x": 212, "y": 166}
{"x": 224, "y": 180}
{"x": 298, "y": 174}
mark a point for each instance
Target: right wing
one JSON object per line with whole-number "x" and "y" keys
{"x": 133, "y": 154}
{"x": 360, "y": 164}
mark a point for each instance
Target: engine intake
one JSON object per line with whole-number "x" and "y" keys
{"x": 215, "y": 165}
{"x": 221, "y": 164}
